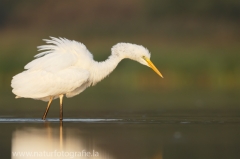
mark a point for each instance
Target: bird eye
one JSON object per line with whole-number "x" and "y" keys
{"x": 144, "y": 57}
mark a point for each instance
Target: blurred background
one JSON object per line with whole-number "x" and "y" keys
{"x": 195, "y": 45}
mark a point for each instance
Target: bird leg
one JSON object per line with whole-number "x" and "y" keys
{"x": 61, "y": 106}
{"x": 48, "y": 106}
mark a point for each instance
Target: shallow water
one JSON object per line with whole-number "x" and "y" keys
{"x": 121, "y": 138}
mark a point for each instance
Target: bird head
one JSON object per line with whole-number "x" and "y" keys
{"x": 135, "y": 52}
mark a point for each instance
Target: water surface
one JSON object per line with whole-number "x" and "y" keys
{"x": 122, "y": 138}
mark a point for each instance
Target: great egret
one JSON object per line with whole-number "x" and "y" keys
{"x": 66, "y": 67}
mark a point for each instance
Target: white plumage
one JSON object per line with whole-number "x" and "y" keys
{"x": 66, "y": 67}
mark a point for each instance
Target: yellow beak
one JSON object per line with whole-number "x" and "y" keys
{"x": 150, "y": 64}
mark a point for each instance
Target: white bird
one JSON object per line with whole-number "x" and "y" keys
{"x": 66, "y": 67}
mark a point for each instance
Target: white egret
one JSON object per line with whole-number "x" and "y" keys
{"x": 66, "y": 67}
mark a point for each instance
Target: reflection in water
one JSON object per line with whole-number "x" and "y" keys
{"x": 169, "y": 138}
{"x": 52, "y": 143}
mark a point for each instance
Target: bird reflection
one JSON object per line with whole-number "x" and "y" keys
{"x": 55, "y": 142}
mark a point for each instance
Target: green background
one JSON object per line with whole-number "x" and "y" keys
{"x": 195, "y": 45}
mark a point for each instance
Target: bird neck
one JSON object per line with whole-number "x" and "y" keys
{"x": 101, "y": 69}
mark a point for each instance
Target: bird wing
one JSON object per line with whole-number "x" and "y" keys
{"x": 41, "y": 83}
{"x": 59, "y": 54}
{"x": 52, "y": 62}
{"x": 55, "y": 71}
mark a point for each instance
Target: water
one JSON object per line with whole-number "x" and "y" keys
{"x": 143, "y": 137}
